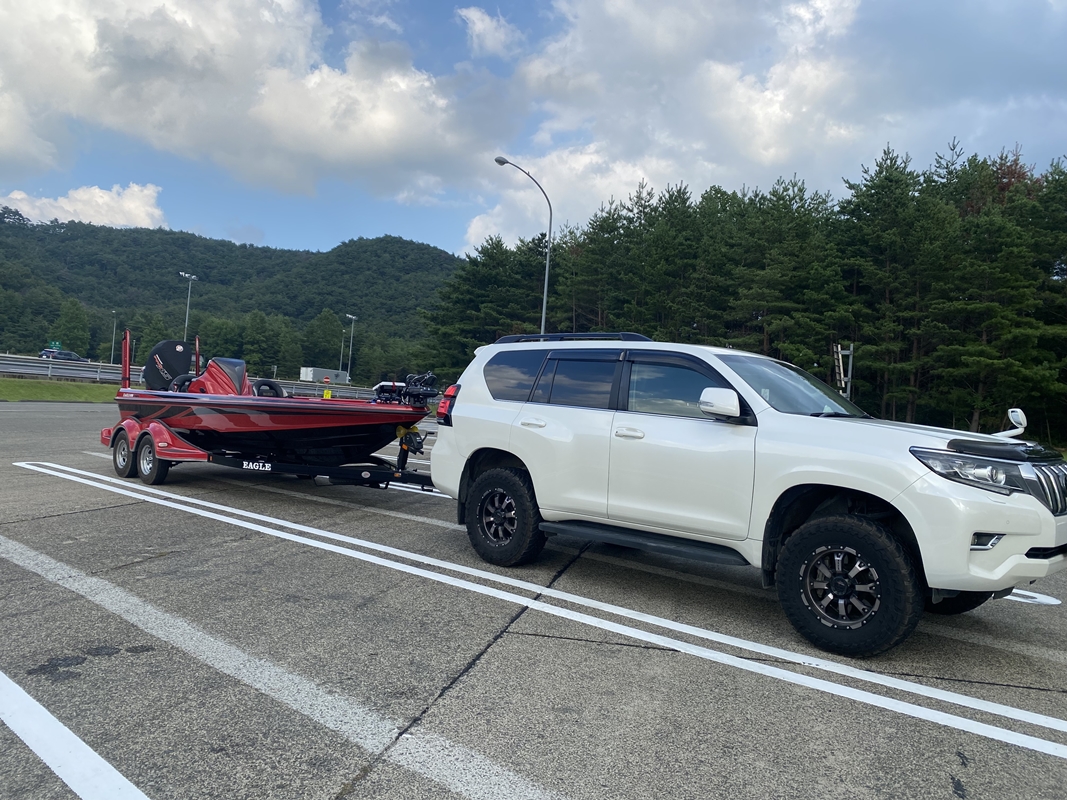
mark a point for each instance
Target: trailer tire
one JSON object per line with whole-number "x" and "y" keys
{"x": 122, "y": 456}
{"x": 265, "y": 387}
{"x": 503, "y": 521}
{"x": 150, "y": 468}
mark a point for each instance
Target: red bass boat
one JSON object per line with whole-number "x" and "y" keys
{"x": 221, "y": 416}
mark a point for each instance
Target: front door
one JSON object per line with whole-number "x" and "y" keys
{"x": 670, "y": 466}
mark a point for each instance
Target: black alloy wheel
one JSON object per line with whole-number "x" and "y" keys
{"x": 848, "y": 586}
{"x": 503, "y": 519}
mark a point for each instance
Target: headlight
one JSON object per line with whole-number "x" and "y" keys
{"x": 1002, "y": 477}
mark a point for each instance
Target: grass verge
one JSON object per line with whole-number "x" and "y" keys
{"x": 69, "y": 391}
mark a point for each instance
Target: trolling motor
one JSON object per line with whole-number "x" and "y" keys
{"x": 416, "y": 390}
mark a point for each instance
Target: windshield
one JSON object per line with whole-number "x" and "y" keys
{"x": 789, "y": 389}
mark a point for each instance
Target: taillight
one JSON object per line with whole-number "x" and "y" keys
{"x": 444, "y": 408}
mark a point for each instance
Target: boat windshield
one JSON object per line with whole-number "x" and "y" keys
{"x": 791, "y": 390}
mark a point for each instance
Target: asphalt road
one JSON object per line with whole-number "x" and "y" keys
{"x": 237, "y": 635}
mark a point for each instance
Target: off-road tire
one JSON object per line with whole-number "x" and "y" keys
{"x": 875, "y": 597}
{"x": 150, "y": 467}
{"x": 960, "y": 604}
{"x": 503, "y": 519}
{"x": 122, "y": 458}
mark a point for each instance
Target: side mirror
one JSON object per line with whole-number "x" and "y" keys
{"x": 1017, "y": 418}
{"x": 720, "y": 402}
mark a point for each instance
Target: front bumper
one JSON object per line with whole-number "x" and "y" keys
{"x": 945, "y": 515}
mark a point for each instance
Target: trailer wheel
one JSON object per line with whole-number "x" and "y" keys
{"x": 150, "y": 469}
{"x": 503, "y": 518}
{"x": 121, "y": 455}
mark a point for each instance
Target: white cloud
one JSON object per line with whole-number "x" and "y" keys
{"x": 577, "y": 180}
{"x": 727, "y": 92}
{"x": 135, "y": 206}
{"x": 489, "y": 36}
{"x": 239, "y": 82}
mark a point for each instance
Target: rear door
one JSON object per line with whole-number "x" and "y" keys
{"x": 562, "y": 433}
{"x": 672, "y": 467}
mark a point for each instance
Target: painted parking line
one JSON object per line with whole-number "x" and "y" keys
{"x": 156, "y": 496}
{"x": 743, "y": 644}
{"x": 1019, "y": 595}
{"x": 1023, "y": 596}
{"x": 75, "y": 763}
{"x": 428, "y": 755}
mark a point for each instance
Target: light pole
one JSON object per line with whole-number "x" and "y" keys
{"x": 548, "y": 251}
{"x": 114, "y": 321}
{"x": 351, "y": 336}
{"x": 188, "y": 297}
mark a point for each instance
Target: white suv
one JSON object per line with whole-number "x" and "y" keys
{"x": 736, "y": 458}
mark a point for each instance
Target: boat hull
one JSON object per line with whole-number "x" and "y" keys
{"x": 292, "y": 429}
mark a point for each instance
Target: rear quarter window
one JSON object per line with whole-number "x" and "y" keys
{"x": 510, "y": 375}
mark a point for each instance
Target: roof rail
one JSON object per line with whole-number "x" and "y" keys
{"x": 566, "y": 337}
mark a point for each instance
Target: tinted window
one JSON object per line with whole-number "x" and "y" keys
{"x": 667, "y": 389}
{"x": 510, "y": 375}
{"x": 583, "y": 383}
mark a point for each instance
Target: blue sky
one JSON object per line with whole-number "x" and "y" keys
{"x": 299, "y": 124}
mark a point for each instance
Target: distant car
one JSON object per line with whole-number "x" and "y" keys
{"x": 61, "y": 355}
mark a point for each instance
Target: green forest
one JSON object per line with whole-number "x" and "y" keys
{"x": 77, "y": 283}
{"x": 950, "y": 282}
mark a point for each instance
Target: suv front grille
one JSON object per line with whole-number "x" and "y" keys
{"x": 1052, "y": 478}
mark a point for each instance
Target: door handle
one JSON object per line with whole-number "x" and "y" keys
{"x": 629, "y": 433}
{"x": 533, "y": 422}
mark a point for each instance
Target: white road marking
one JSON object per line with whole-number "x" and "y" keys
{"x": 330, "y": 501}
{"x": 1019, "y": 595}
{"x": 75, "y": 763}
{"x": 428, "y": 755}
{"x": 909, "y": 709}
{"x": 1023, "y": 596}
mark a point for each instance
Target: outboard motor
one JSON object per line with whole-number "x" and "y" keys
{"x": 166, "y": 361}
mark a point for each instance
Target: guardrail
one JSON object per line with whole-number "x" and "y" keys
{"x": 112, "y": 373}
{"x": 52, "y": 368}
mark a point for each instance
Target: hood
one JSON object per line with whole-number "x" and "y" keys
{"x": 977, "y": 444}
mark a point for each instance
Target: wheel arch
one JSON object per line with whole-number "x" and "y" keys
{"x": 479, "y": 461}
{"x": 805, "y": 502}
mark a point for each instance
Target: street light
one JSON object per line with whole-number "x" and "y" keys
{"x": 351, "y": 336}
{"x": 548, "y": 252}
{"x": 188, "y": 297}
{"x": 114, "y": 320}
